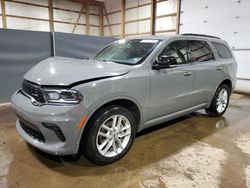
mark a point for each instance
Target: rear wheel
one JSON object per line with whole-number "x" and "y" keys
{"x": 220, "y": 101}
{"x": 110, "y": 135}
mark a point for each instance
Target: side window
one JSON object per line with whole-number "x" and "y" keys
{"x": 200, "y": 51}
{"x": 223, "y": 51}
{"x": 177, "y": 50}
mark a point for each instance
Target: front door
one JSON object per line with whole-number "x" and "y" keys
{"x": 171, "y": 88}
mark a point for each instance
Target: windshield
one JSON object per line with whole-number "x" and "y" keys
{"x": 129, "y": 52}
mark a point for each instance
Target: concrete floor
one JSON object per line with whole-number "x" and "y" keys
{"x": 192, "y": 151}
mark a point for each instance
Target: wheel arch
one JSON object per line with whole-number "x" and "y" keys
{"x": 227, "y": 82}
{"x": 124, "y": 102}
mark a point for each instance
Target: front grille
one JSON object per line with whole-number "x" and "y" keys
{"x": 35, "y": 134}
{"x": 33, "y": 90}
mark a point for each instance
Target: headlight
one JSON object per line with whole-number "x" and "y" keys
{"x": 66, "y": 96}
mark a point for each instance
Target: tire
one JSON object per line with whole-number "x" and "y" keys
{"x": 94, "y": 147}
{"x": 219, "y": 106}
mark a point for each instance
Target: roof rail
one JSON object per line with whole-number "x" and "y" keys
{"x": 200, "y": 35}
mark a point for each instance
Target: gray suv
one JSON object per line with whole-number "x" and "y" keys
{"x": 97, "y": 105}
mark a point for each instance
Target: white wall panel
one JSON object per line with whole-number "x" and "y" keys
{"x": 65, "y": 28}
{"x": 244, "y": 8}
{"x": 23, "y": 24}
{"x": 39, "y": 2}
{"x": 243, "y": 63}
{"x": 187, "y": 6}
{"x": 193, "y": 16}
{"x": 114, "y": 18}
{"x": 26, "y": 10}
{"x": 131, "y": 14}
{"x": 67, "y": 5}
{"x": 138, "y": 13}
{"x": 116, "y": 29}
{"x": 113, "y": 5}
{"x": 165, "y": 23}
{"x": 137, "y": 27}
{"x": 243, "y": 24}
{"x": 131, "y": 3}
{"x": 66, "y": 16}
{"x": 229, "y": 11}
{"x": 166, "y": 7}
{"x": 94, "y": 20}
{"x": 141, "y": 2}
{"x": 211, "y": 3}
{"x": 243, "y": 41}
{"x": 105, "y": 20}
{"x": 94, "y": 31}
{"x": 1, "y": 24}
{"x": 144, "y": 26}
{"x": 131, "y": 28}
{"x": 144, "y": 12}
{"x": 82, "y": 19}
{"x": 80, "y": 30}
{"x": 106, "y": 31}
{"x": 94, "y": 9}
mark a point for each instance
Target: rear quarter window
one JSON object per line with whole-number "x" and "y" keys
{"x": 222, "y": 50}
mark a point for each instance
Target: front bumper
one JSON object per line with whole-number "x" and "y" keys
{"x": 34, "y": 123}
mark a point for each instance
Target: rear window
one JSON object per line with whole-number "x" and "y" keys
{"x": 223, "y": 51}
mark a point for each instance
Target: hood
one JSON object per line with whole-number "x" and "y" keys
{"x": 67, "y": 71}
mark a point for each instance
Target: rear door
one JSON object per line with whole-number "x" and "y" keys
{"x": 206, "y": 69}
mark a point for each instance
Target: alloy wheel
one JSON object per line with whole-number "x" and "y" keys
{"x": 222, "y": 100}
{"x": 113, "y": 136}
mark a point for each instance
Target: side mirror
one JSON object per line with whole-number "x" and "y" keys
{"x": 165, "y": 62}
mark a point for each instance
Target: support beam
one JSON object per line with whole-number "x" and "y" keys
{"x": 87, "y": 18}
{"x": 123, "y": 18}
{"x": 51, "y": 16}
{"x": 3, "y": 14}
{"x": 178, "y": 12}
{"x": 78, "y": 18}
{"x": 101, "y": 28}
{"x": 153, "y": 16}
{"x": 108, "y": 22}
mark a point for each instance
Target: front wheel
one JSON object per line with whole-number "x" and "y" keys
{"x": 220, "y": 101}
{"x": 110, "y": 135}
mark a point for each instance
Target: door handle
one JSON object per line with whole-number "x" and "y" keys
{"x": 187, "y": 73}
{"x": 218, "y": 68}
